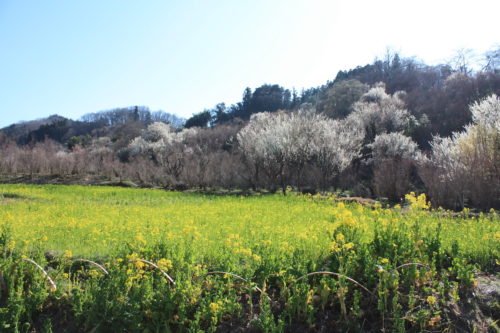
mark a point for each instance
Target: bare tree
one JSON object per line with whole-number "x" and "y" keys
{"x": 393, "y": 155}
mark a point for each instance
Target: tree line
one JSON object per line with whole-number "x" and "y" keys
{"x": 382, "y": 130}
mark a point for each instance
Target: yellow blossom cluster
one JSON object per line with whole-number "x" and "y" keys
{"x": 417, "y": 202}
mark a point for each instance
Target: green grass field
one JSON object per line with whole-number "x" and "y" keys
{"x": 271, "y": 241}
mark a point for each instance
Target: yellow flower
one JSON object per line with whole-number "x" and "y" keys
{"x": 302, "y": 235}
{"x": 140, "y": 238}
{"x": 348, "y": 246}
{"x": 247, "y": 252}
{"x": 139, "y": 264}
{"x": 256, "y": 257}
{"x": 431, "y": 300}
{"x": 384, "y": 261}
{"x": 334, "y": 247}
{"x": 189, "y": 229}
{"x": 165, "y": 264}
{"x": 68, "y": 254}
{"x": 93, "y": 273}
{"x": 346, "y": 214}
{"x": 215, "y": 307}
{"x": 417, "y": 203}
{"x": 340, "y": 238}
{"x": 132, "y": 257}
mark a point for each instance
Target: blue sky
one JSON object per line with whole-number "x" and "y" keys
{"x": 75, "y": 57}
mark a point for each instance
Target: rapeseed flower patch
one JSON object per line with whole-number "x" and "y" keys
{"x": 224, "y": 254}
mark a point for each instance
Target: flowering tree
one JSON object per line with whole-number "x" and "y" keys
{"x": 393, "y": 155}
{"x": 163, "y": 145}
{"x": 466, "y": 166}
{"x": 283, "y": 144}
{"x": 393, "y": 146}
{"x": 384, "y": 118}
{"x": 337, "y": 144}
{"x": 157, "y": 137}
{"x": 272, "y": 143}
{"x": 378, "y": 112}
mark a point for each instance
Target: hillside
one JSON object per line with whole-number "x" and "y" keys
{"x": 380, "y": 130}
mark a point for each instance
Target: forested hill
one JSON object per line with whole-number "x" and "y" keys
{"x": 120, "y": 124}
{"x": 438, "y": 96}
{"x": 381, "y": 130}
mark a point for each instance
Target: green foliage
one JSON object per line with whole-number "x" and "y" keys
{"x": 201, "y": 119}
{"x": 395, "y": 269}
{"x": 337, "y": 100}
{"x": 81, "y": 140}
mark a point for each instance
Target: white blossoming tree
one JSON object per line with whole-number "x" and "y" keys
{"x": 282, "y": 145}
{"x": 378, "y": 112}
{"x": 393, "y": 146}
{"x": 466, "y": 166}
{"x": 165, "y": 146}
{"x": 337, "y": 144}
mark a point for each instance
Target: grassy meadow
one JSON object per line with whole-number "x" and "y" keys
{"x": 269, "y": 243}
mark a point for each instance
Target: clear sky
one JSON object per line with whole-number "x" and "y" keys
{"x": 71, "y": 57}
